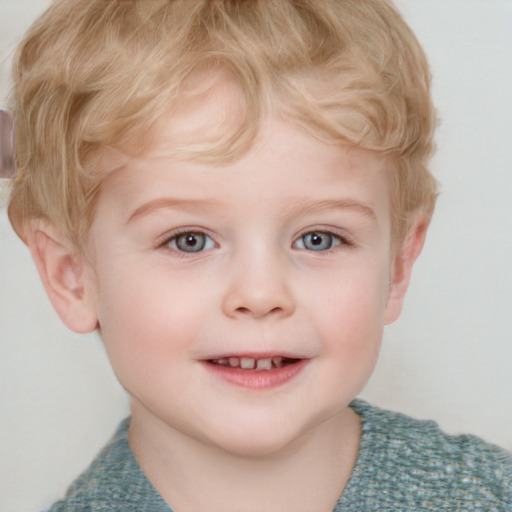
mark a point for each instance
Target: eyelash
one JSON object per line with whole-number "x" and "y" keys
{"x": 337, "y": 241}
{"x": 334, "y": 240}
{"x": 173, "y": 238}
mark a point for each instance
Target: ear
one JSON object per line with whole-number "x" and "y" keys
{"x": 66, "y": 277}
{"x": 401, "y": 269}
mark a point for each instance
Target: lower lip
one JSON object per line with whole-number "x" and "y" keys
{"x": 257, "y": 379}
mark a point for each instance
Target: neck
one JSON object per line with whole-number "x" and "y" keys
{"x": 192, "y": 476}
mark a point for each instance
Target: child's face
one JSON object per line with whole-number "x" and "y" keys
{"x": 280, "y": 260}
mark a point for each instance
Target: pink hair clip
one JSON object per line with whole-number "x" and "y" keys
{"x": 8, "y": 164}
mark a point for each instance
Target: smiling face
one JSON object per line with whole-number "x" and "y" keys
{"x": 243, "y": 305}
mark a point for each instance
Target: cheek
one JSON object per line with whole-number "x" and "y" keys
{"x": 349, "y": 316}
{"x": 354, "y": 330}
{"x": 145, "y": 321}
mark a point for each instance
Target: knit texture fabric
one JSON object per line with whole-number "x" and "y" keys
{"x": 409, "y": 465}
{"x": 403, "y": 465}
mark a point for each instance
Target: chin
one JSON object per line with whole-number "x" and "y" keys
{"x": 249, "y": 447}
{"x": 257, "y": 439}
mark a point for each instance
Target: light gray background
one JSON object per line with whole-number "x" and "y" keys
{"x": 448, "y": 358}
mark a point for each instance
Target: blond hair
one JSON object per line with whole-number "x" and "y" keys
{"x": 96, "y": 74}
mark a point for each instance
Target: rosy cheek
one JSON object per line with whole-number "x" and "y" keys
{"x": 352, "y": 313}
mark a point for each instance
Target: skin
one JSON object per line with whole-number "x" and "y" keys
{"x": 257, "y": 288}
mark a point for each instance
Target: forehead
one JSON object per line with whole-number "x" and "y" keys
{"x": 210, "y": 109}
{"x": 285, "y": 170}
{"x": 282, "y": 163}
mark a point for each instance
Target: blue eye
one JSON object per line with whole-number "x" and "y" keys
{"x": 191, "y": 241}
{"x": 317, "y": 241}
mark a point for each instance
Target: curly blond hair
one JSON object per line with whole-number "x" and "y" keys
{"x": 97, "y": 74}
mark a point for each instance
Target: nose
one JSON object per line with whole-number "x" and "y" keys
{"x": 259, "y": 288}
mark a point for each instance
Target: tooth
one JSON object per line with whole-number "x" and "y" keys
{"x": 223, "y": 362}
{"x": 264, "y": 364}
{"x": 247, "y": 363}
{"x": 278, "y": 362}
{"x": 234, "y": 362}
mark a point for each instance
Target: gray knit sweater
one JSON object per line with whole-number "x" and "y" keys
{"x": 403, "y": 465}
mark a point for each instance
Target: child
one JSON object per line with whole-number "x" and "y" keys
{"x": 234, "y": 194}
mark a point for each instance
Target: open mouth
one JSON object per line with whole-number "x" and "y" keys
{"x": 250, "y": 363}
{"x": 256, "y": 373}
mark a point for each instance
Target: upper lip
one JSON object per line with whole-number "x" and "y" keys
{"x": 254, "y": 355}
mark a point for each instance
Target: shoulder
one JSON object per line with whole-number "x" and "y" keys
{"x": 114, "y": 482}
{"x": 413, "y": 461}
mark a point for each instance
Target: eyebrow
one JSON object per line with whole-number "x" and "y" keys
{"x": 300, "y": 206}
{"x": 313, "y": 206}
{"x": 172, "y": 202}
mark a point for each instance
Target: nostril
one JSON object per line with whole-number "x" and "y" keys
{"x": 258, "y": 297}
{"x": 258, "y": 312}
{"x": 276, "y": 310}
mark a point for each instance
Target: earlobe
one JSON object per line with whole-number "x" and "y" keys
{"x": 63, "y": 273}
{"x": 402, "y": 268}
